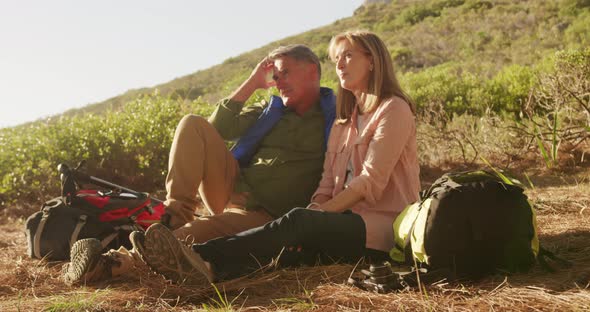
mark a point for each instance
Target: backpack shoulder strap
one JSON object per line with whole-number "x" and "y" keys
{"x": 542, "y": 258}
{"x": 37, "y": 237}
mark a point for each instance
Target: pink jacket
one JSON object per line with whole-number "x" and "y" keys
{"x": 385, "y": 165}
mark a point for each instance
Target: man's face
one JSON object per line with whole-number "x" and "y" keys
{"x": 294, "y": 80}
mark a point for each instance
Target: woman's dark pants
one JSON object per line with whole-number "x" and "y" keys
{"x": 301, "y": 236}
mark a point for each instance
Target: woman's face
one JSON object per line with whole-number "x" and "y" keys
{"x": 353, "y": 66}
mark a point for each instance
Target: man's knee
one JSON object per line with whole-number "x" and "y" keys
{"x": 193, "y": 121}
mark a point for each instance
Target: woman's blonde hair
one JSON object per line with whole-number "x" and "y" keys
{"x": 383, "y": 83}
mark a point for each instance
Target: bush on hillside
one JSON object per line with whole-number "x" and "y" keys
{"x": 559, "y": 110}
{"x": 128, "y": 147}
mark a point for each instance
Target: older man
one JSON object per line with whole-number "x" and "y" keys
{"x": 275, "y": 165}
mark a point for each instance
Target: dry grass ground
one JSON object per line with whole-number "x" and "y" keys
{"x": 562, "y": 200}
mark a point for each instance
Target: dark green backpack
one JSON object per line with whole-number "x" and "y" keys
{"x": 470, "y": 224}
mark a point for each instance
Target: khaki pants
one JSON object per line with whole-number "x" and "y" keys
{"x": 199, "y": 162}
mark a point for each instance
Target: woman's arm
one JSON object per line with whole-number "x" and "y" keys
{"x": 326, "y": 185}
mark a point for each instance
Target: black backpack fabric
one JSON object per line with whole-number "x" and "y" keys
{"x": 109, "y": 215}
{"x": 468, "y": 224}
{"x": 110, "y": 218}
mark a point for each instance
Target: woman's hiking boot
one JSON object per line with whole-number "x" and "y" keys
{"x": 88, "y": 263}
{"x": 168, "y": 256}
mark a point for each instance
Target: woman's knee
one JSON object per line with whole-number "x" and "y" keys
{"x": 300, "y": 212}
{"x": 297, "y": 215}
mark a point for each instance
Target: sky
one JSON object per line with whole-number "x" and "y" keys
{"x": 58, "y": 54}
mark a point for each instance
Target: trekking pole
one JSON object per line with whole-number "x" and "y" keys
{"x": 65, "y": 170}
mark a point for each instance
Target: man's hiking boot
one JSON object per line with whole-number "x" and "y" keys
{"x": 168, "y": 256}
{"x": 87, "y": 263}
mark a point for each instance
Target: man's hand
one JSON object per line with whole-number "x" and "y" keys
{"x": 262, "y": 74}
{"x": 170, "y": 220}
{"x": 260, "y": 78}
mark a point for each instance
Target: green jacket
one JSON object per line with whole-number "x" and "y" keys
{"x": 287, "y": 167}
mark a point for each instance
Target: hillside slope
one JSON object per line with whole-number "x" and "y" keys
{"x": 496, "y": 80}
{"x": 477, "y": 36}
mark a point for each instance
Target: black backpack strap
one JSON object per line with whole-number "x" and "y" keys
{"x": 542, "y": 258}
{"x": 107, "y": 240}
{"x": 81, "y": 222}
{"x": 428, "y": 276}
{"x": 37, "y": 237}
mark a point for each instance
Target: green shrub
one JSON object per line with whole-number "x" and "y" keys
{"x": 478, "y": 5}
{"x": 417, "y": 13}
{"x": 578, "y": 33}
{"x": 559, "y": 114}
{"x": 574, "y": 7}
{"x": 442, "y": 88}
{"x": 509, "y": 89}
{"x": 129, "y": 147}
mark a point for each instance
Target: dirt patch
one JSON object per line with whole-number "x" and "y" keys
{"x": 564, "y": 225}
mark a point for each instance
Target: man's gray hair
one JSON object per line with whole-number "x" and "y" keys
{"x": 298, "y": 52}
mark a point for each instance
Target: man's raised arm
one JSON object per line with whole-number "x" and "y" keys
{"x": 229, "y": 118}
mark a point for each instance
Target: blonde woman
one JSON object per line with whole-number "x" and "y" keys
{"x": 371, "y": 173}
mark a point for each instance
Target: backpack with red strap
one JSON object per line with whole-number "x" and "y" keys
{"x": 108, "y": 214}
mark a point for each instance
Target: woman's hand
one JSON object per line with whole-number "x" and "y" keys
{"x": 321, "y": 198}
{"x": 317, "y": 201}
{"x": 313, "y": 206}
{"x": 341, "y": 202}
